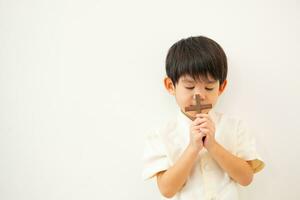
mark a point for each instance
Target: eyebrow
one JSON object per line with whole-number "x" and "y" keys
{"x": 192, "y": 81}
{"x": 210, "y": 82}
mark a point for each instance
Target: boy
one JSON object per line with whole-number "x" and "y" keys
{"x": 207, "y": 157}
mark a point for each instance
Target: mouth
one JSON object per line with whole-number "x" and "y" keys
{"x": 198, "y": 108}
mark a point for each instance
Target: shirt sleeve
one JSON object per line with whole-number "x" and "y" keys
{"x": 155, "y": 157}
{"x": 246, "y": 148}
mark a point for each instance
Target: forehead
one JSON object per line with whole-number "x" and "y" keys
{"x": 201, "y": 79}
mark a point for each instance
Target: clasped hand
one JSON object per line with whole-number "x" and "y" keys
{"x": 202, "y": 127}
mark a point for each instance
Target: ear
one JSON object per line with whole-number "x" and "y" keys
{"x": 169, "y": 85}
{"x": 222, "y": 87}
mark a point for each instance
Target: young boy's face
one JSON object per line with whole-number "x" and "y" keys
{"x": 186, "y": 89}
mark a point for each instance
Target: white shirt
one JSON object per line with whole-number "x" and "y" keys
{"x": 207, "y": 180}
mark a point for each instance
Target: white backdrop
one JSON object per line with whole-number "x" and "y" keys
{"x": 81, "y": 84}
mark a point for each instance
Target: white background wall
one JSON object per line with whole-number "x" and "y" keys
{"x": 81, "y": 84}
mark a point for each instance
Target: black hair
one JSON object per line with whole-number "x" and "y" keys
{"x": 197, "y": 57}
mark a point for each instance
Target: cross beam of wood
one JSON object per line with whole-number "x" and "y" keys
{"x": 198, "y": 107}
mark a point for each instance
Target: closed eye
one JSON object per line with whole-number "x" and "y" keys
{"x": 209, "y": 89}
{"x": 189, "y": 88}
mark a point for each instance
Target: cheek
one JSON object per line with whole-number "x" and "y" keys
{"x": 213, "y": 98}
{"x": 187, "y": 100}
{"x": 184, "y": 97}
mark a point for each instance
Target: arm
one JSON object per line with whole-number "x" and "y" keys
{"x": 172, "y": 180}
{"x": 237, "y": 168}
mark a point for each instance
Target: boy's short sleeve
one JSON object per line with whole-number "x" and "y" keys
{"x": 246, "y": 148}
{"x": 155, "y": 157}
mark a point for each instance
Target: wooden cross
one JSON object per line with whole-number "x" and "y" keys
{"x": 198, "y": 107}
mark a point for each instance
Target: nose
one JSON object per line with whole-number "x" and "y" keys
{"x": 202, "y": 96}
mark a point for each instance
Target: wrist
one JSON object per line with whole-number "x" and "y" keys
{"x": 193, "y": 149}
{"x": 212, "y": 147}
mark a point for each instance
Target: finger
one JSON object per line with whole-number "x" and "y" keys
{"x": 199, "y": 136}
{"x": 197, "y": 128}
{"x": 199, "y": 121}
{"x": 202, "y": 115}
{"x": 193, "y": 130}
{"x": 203, "y": 135}
{"x": 204, "y": 130}
{"x": 195, "y": 122}
{"x": 205, "y": 116}
{"x": 204, "y": 125}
